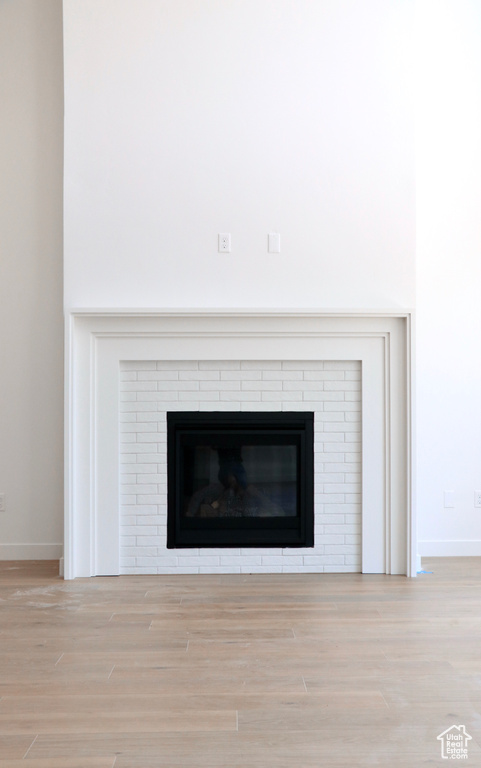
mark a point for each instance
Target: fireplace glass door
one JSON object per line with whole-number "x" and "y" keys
{"x": 242, "y": 479}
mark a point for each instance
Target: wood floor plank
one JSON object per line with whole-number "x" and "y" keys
{"x": 63, "y": 762}
{"x": 265, "y": 671}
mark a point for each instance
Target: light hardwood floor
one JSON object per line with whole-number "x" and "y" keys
{"x": 246, "y": 671}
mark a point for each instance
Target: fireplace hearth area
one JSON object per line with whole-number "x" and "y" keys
{"x": 240, "y": 479}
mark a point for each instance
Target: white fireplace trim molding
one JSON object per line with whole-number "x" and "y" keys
{"x": 98, "y": 340}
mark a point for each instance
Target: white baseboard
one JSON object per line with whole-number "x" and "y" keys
{"x": 31, "y": 551}
{"x": 455, "y": 548}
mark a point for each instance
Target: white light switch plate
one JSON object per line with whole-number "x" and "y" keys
{"x": 274, "y": 242}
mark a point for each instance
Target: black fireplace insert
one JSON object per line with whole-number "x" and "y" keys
{"x": 240, "y": 479}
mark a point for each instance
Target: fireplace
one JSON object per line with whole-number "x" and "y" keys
{"x": 240, "y": 479}
{"x": 127, "y": 368}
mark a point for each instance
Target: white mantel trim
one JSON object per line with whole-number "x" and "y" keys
{"x": 92, "y": 352}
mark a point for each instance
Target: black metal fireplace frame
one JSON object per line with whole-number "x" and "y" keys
{"x": 247, "y": 532}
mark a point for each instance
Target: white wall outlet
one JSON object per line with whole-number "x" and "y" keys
{"x": 274, "y": 242}
{"x": 3, "y": 503}
{"x": 448, "y": 499}
{"x": 224, "y": 242}
{"x": 477, "y": 498}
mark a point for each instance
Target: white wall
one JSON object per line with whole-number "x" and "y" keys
{"x": 31, "y": 323}
{"x": 449, "y": 274}
{"x": 185, "y": 118}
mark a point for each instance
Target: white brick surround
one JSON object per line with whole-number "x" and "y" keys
{"x": 331, "y": 389}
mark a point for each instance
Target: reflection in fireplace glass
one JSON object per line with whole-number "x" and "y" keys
{"x": 240, "y": 479}
{"x": 234, "y": 479}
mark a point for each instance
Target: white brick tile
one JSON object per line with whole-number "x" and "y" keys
{"x": 126, "y": 397}
{"x": 242, "y": 375}
{"x": 341, "y": 549}
{"x": 282, "y": 376}
{"x": 224, "y": 552}
{"x": 341, "y": 488}
{"x": 151, "y": 478}
{"x": 140, "y": 469}
{"x": 342, "y": 427}
{"x": 166, "y": 561}
{"x": 141, "y": 509}
{"x": 333, "y": 416}
{"x": 302, "y": 405}
{"x": 324, "y": 376}
{"x": 341, "y": 365}
{"x": 330, "y": 437}
{"x": 332, "y": 538}
{"x": 127, "y": 498}
{"x": 354, "y": 416}
{"x": 252, "y": 405}
{"x": 179, "y": 365}
{"x": 352, "y": 560}
{"x": 210, "y": 405}
{"x": 260, "y": 365}
{"x": 319, "y": 559}
{"x": 128, "y": 376}
{"x": 343, "y": 386}
{"x": 329, "y": 477}
{"x": 304, "y": 365}
{"x": 184, "y": 560}
{"x": 240, "y": 396}
{"x": 157, "y": 375}
{"x": 178, "y": 405}
{"x": 284, "y": 560}
{"x": 333, "y": 518}
{"x": 201, "y": 375}
{"x": 352, "y": 396}
{"x": 254, "y": 551}
{"x": 140, "y": 552}
{"x": 150, "y": 541}
{"x": 134, "y": 406}
{"x": 140, "y": 488}
{"x": 163, "y": 387}
{"x": 138, "y": 386}
{"x": 219, "y": 365}
{"x": 151, "y": 498}
{"x": 354, "y": 477}
{"x": 329, "y": 498}
{"x": 225, "y": 386}
{"x": 145, "y": 427}
{"x": 143, "y": 418}
{"x": 284, "y": 397}
{"x": 239, "y": 560}
{"x": 262, "y": 386}
{"x": 353, "y": 498}
{"x": 342, "y": 406}
{"x": 127, "y": 417}
{"x": 199, "y": 396}
{"x": 339, "y": 466}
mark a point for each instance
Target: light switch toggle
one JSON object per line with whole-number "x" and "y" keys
{"x": 274, "y": 242}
